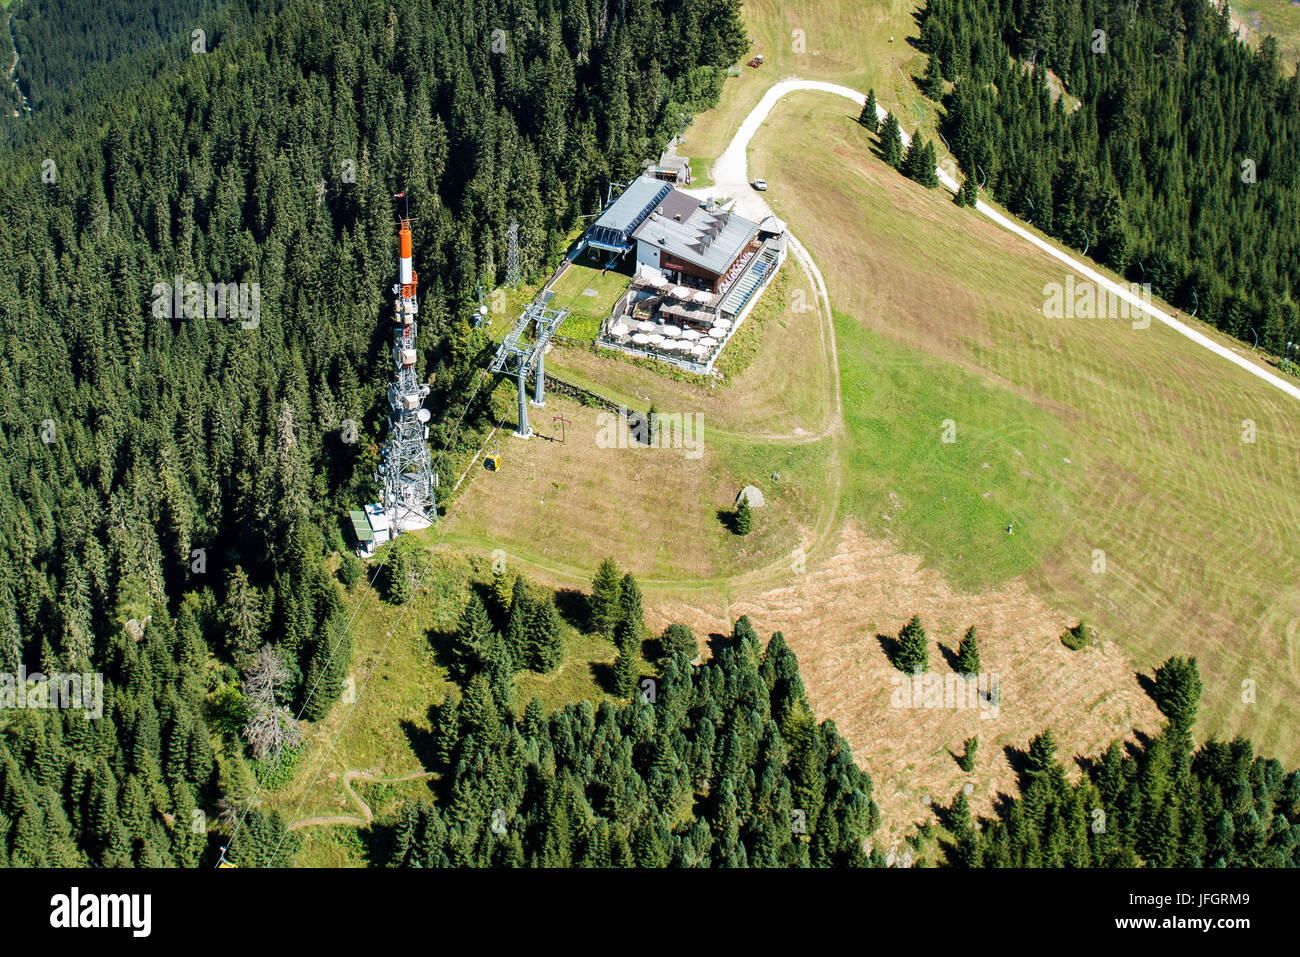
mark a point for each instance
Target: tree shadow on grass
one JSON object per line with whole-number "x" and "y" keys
{"x": 421, "y": 741}
{"x": 890, "y": 646}
{"x": 574, "y": 608}
{"x": 727, "y": 519}
{"x": 949, "y": 655}
{"x": 602, "y": 672}
{"x": 442, "y": 643}
{"x": 718, "y": 642}
{"x": 1019, "y": 761}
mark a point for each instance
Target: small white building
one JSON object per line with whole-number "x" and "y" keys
{"x": 378, "y": 520}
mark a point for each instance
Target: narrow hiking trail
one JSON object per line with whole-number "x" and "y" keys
{"x": 367, "y": 815}
{"x": 13, "y": 67}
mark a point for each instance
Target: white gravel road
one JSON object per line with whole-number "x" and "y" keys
{"x": 731, "y": 178}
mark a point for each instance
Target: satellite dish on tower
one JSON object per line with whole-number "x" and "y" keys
{"x": 482, "y": 310}
{"x": 424, "y": 415}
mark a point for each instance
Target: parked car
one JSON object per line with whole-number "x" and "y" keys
{"x": 760, "y": 185}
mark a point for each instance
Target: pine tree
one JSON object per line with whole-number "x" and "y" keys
{"x": 932, "y": 82}
{"x": 1178, "y": 691}
{"x": 469, "y": 647}
{"x": 242, "y": 616}
{"x": 545, "y": 646}
{"x": 870, "y": 117}
{"x": 926, "y": 173}
{"x": 626, "y": 673}
{"x": 911, "y": 158}
{"x": 398, "y": 577}
{"x": 968, "y": 195}
{"x": 913, "y": 652}
{"x": 327, "y": 673}
{"x": 606, "y": 590}
{"x": 744, "y": 520}
{"x": 958, "y": 817}
{"x": 517, "y": 625}
{"x": 891, "y": 141}
{"x": 968, "y": 654}
{"x": 503, "y": 586}
{"x": 677, "y": 640}
{"x": 630, "y": 630}
{"x": 350, "y": 570}
{"x": 967, "y": 761}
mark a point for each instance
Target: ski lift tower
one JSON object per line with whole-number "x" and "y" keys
{"x": 407, "y": 471}
{"x": 512, "y": 356}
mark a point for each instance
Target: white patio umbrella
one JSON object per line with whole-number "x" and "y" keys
{"x": 640, "y": 338}
{"x": 690, "y": 334}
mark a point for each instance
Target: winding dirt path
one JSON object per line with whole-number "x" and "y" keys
{"x": 367, "y": 815}
{"x": 13, "y": 67}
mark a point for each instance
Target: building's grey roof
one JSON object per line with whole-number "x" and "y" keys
{"x": 710, "y": 239}
{"x": 677, "y": 206}
{"x": 666, "y": 162}
{"x": 615, "y": 225}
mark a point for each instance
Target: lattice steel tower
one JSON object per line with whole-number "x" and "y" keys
{"x": 407, "y": 469}
{"x": 512, "y": 255}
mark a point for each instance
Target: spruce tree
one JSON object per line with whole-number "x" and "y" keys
{"x": 891, "y": 141}
{"x": 677, "y": 640}
{"x": 911, "y": 158}
{"x": 517, "y": 625}
{"x": 630, "y": 630}
{"x": 932, "y": 82}
{"x": 502, "y": 594}
{"x": 744, "y": 520}
{"x": 242, "y": 616}
{"x": 926, "y": 172}
{"x": 469, "y": 646}
{"x": 1177, "y": 692}
{"x": 545, "y": 646}
{"x": 350, "y": 570}
{"x": 606, "y": 590}
{"x": 958, "y": 817}
{"x": 968, "y": 195}
{"x": 327, "y": 673}
{"x": 913, "y": 652}
{"x": 870, "y": 117}
{"x": 968, "y": 654}
{"x": 626, "y": 673}
{"x": 967, "y": 761}
{"x": 398, "y": 576}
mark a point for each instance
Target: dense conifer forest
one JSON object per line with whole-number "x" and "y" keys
{"x": 1179, "y": 165}
{"x": 721, "y": 764}
{"x": 61, "y": 41}
{"x": 1161, "y": 802}
{"x": 182, "y": 477}
{"x": 170, "y": 485}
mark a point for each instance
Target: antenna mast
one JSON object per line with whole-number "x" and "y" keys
{"x": 407, "y": 470}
